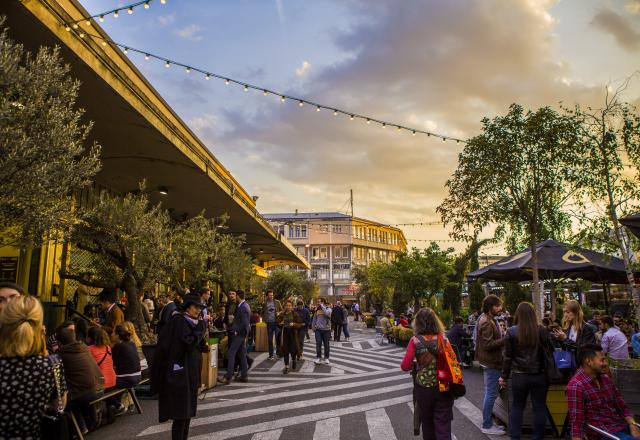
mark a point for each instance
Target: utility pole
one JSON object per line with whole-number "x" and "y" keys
{"x": 351, "y": 200}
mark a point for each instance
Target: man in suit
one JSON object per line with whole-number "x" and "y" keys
{"x": 113, "y": 315}
{"x": 238, "y": 333}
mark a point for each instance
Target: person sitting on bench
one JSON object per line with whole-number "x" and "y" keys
{"x": 594, "y": 400}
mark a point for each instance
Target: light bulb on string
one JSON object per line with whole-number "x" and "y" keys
{"x": 226, "y": 81}
{"x": 104, "y": 43}
{"x": 164, "y": 2}
{"x": 88, "y": 22}
{"x": 67, "y": 28}
{"x": 335, "y": 113}
{"x": 75, "y": 25}
{"x": 126, "y": 50}
{"x": 368, "y": 121}
{"x": 282, "y": 99}
{"x": 351, "y": 117}
{"x": 101, "y": 18}
{"x": 146, "y": 56}
{"x": 187, "y": 69}
{"x": 300, "y": 103}
{"x": 207, "y": 77}
{"x": 384, "y": 125}
{"x": 81, "y": 34}
{"x": 167, "y": 64}
{"x": 146, "y": 5}
{"x": 413, "y": 132}
{"x": 246, "y": 88}
{"x": 399, "y": 128}
{"x": 130, "y": 10}
{"x": 318, "y": 108}
{"x": 265, "y": 93}
{"x": 116, "y": 14}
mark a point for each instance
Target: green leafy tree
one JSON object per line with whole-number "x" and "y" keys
{"x": 421, "y": 274}
{"x": 514, "y": 294}
{"x": 288, "y": 283}
{"x": 129, "y": 241}
{"x": 518, "y": 174}
{"x": 377, "y": 282}
{"x": 610, "y": 144}
{"x": 43, "y": 151}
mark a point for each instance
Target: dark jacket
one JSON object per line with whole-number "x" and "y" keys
{"x": 305, "y": 316}
{"x": 489, "y": 343}
{"x": 81, "y": 372}
{"x": 125, "y": 358}
{"x": 229, "y": 312}
{"x": 455, "y": 335}
{"x": 175, "y": 371}
{"x": 241, "y": 321}
{"x": 517, "y": 359}
{"x": 586, "y": 335}
{"x": 337, "y": 317}
{"x": 166, "y": 312}
{"x": 289, "y": 336}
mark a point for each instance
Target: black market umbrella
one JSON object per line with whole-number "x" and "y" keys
{"x": 633, "y": 223}
{"x": 556, "y": 260}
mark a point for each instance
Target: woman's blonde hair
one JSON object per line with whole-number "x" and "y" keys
{"x": 129, "y": 327}
{"x": 21, "y": 328}
{"x": 578, "y": 316}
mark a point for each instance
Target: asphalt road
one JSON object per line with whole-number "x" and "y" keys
{"x": 362, "y": 395}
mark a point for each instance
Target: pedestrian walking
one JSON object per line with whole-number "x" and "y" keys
{"x": 434, "y": 406}
{"x": 490, "y": 343}
{"x": 523, "y": 361}
{"x": 175, "y": 372}
{"x": 238, "y": 333}
{"x": 321, "y": 326}
{"x": 337, "y": 321}
{"x": 345, "y": 322}
{"x": 270, "y": 309}
{"x": 291, "y": 323}
{"x": 305, "y": 316}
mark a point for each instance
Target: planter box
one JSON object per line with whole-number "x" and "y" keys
{"x": 627, "y": 381}
{"x": 556, "y": 404}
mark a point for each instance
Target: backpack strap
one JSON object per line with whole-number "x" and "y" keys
{"x": 107, "y": 353}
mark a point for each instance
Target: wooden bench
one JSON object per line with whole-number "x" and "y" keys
{"x": 107, "y": 395}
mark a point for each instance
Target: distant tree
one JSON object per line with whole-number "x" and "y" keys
{"x": 376, "y": 282}
{"x": 43, "y": 151}
{"x": 514, "y": 294}
{"x": 518, "y": 174}
{"x": 610, "y": 146}
{"x": 422, "y": 274}
{"x": 288, "y": 283}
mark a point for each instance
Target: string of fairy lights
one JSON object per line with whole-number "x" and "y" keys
{"x": 77, "y": 27}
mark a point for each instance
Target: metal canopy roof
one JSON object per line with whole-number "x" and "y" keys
{"x": 142, "y": 138}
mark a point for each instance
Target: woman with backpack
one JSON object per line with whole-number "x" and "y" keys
{"x": 427, "y": 350}
{"x": 523, "y": 361}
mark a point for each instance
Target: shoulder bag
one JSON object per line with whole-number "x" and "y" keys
{"x": 54, "y": 424}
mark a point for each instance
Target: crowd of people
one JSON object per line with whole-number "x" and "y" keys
{"x": 521, "y": 358}
{"x": 75, "y": 366}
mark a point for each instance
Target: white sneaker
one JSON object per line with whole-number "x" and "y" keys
{"x": 494, "y": 430}
{"x": 326, "y": 361}
{"x": 500, "y": 427}
{"x": 317, "y": 361}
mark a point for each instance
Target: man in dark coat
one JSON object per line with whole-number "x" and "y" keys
{"x": 175, "y": 372}
{"x": 238, "y": 333}
{"x": 337, "y": 321}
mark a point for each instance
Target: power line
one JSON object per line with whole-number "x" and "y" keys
{"x": 248, "y": 86}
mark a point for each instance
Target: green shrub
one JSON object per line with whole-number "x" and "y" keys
{"x": 370, "y": 321}
{"x": 404, "y": 334}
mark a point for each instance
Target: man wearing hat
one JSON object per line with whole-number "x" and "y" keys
{"x": 238, "y": 333}
{"x": 175, "y": 372}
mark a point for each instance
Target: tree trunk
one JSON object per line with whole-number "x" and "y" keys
{"x": 134, "y": 307}
{"x": 554, "y": 299}
{"x": 538, "y": 300}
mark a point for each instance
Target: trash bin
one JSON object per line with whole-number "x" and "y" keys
{"x": 261, "y": 337}
{"x": 209, "y": 376}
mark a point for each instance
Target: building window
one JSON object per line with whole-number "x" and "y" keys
{"x": 323, "y": 253}
{"x": 280, "y": 229}
{"x": 315, "y": 253}
{"x": 336, "y": 229}
{"x": 341, "y": 252}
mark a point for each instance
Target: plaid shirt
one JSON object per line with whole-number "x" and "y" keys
{"x": 597, "y": 402}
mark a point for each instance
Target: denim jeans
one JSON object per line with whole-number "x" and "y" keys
{"x": 273, "y": 331}
{"x": 237, "y": 346}
{"x": 322, "y": 338}
{"x": 491, "y": 376}
{"x": 521, "y": 386}
{"x": 345, "y": 329}
{"x": 301, "y": 333}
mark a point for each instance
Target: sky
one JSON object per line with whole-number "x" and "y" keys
{"x": 430, "y": 64}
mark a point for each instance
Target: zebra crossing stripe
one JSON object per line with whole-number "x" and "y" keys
{"x": 289, "y": 406}
{"x": 361, "y": 361}
{"x": 390, "y": 363}
{"x": 350, "y": 367}
{"x": 301, "y": 392}
{"x": 379, "y": 425}
{"x": 267, "y": 435}
{"x": 307, "y": 367}
{"x": 258, "y": 359}
{"x": 470, "y": 411}
{"x": 372, "y": 354}
{"x": 328, "y": 429}
{"x": 299, "y": 419}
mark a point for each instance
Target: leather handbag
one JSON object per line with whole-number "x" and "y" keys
{"x": 54, "y": 423}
